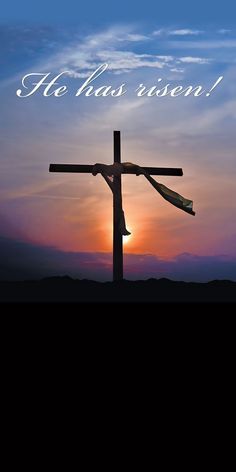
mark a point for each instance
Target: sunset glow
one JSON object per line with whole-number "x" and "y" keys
{"x": 127, "y": 240}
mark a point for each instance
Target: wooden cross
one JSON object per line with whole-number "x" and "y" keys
{"x": 117, "y": 197}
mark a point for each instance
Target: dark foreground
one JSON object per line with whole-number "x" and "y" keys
{"x": 65, "y": 289}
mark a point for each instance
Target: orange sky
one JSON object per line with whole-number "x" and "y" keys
{"x": 74, "y": 213}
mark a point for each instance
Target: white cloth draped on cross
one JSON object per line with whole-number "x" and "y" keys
{"x": 109, "y": 171}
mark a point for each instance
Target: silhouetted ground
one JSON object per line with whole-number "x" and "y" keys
{"x": 65, "y": 289}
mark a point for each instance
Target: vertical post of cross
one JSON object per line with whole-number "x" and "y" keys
{"x": 117, "y": 211}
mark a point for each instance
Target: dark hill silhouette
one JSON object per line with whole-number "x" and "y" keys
{"x": 65, "y": 289}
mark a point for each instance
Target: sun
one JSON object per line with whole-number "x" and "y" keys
{"x": 127, "y": 239}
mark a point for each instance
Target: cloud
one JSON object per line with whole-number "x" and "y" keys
{"x": 177, "y": 69}
{"x": 184, "y": 32}
{"x": 118, "y": 62}
{"x": 194, "y": 60}
{"x": 110, "y": 46}
{"x": 134, "y": 37}
{"x": 209, "y": 44}
{"x": 224, "y": 31}
{"x": 177, "y": 32}
{"x": 21, "y": 260}
{"x": 117, "y": 47}
{"x": 158, "y": 32}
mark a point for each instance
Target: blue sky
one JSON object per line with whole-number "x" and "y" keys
{"x": 68, "y": 214}
{"x": 202, "y": 12}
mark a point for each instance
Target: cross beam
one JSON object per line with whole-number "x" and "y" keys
{"x": 87, "y": 169}
{"x": 117, "y": 197}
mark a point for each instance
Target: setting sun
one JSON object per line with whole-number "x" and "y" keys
{"x": 127, "y": 239}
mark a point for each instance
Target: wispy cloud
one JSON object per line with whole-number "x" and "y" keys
{"x": 194, "y": 60}
{"x": 127, "y": 50}
{"x": 158, "y": 32}
{"x": 119, "y": 62}
{"x": 110, "y": 47}
{"x": 208, "y": 44}
{"x": 134, "y": 37}
{"x": 185, "y": 32}
{"x": 224, "y": 31}
{"x": 177, "y": 69}
{"x": 114, "y": 47}
{"x": 177, "y": 32}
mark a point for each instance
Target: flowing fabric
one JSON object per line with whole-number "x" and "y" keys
{"x": 172, "y": 197}
{"x": 116, "y": 169}
{"x": 108, "y": 172}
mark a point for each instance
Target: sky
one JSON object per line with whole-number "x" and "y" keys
{"x": 62, "y": 223}
{"x": 107, "y": 12}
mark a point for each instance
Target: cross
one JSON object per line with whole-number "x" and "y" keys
{"x": 117, "y": 196}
